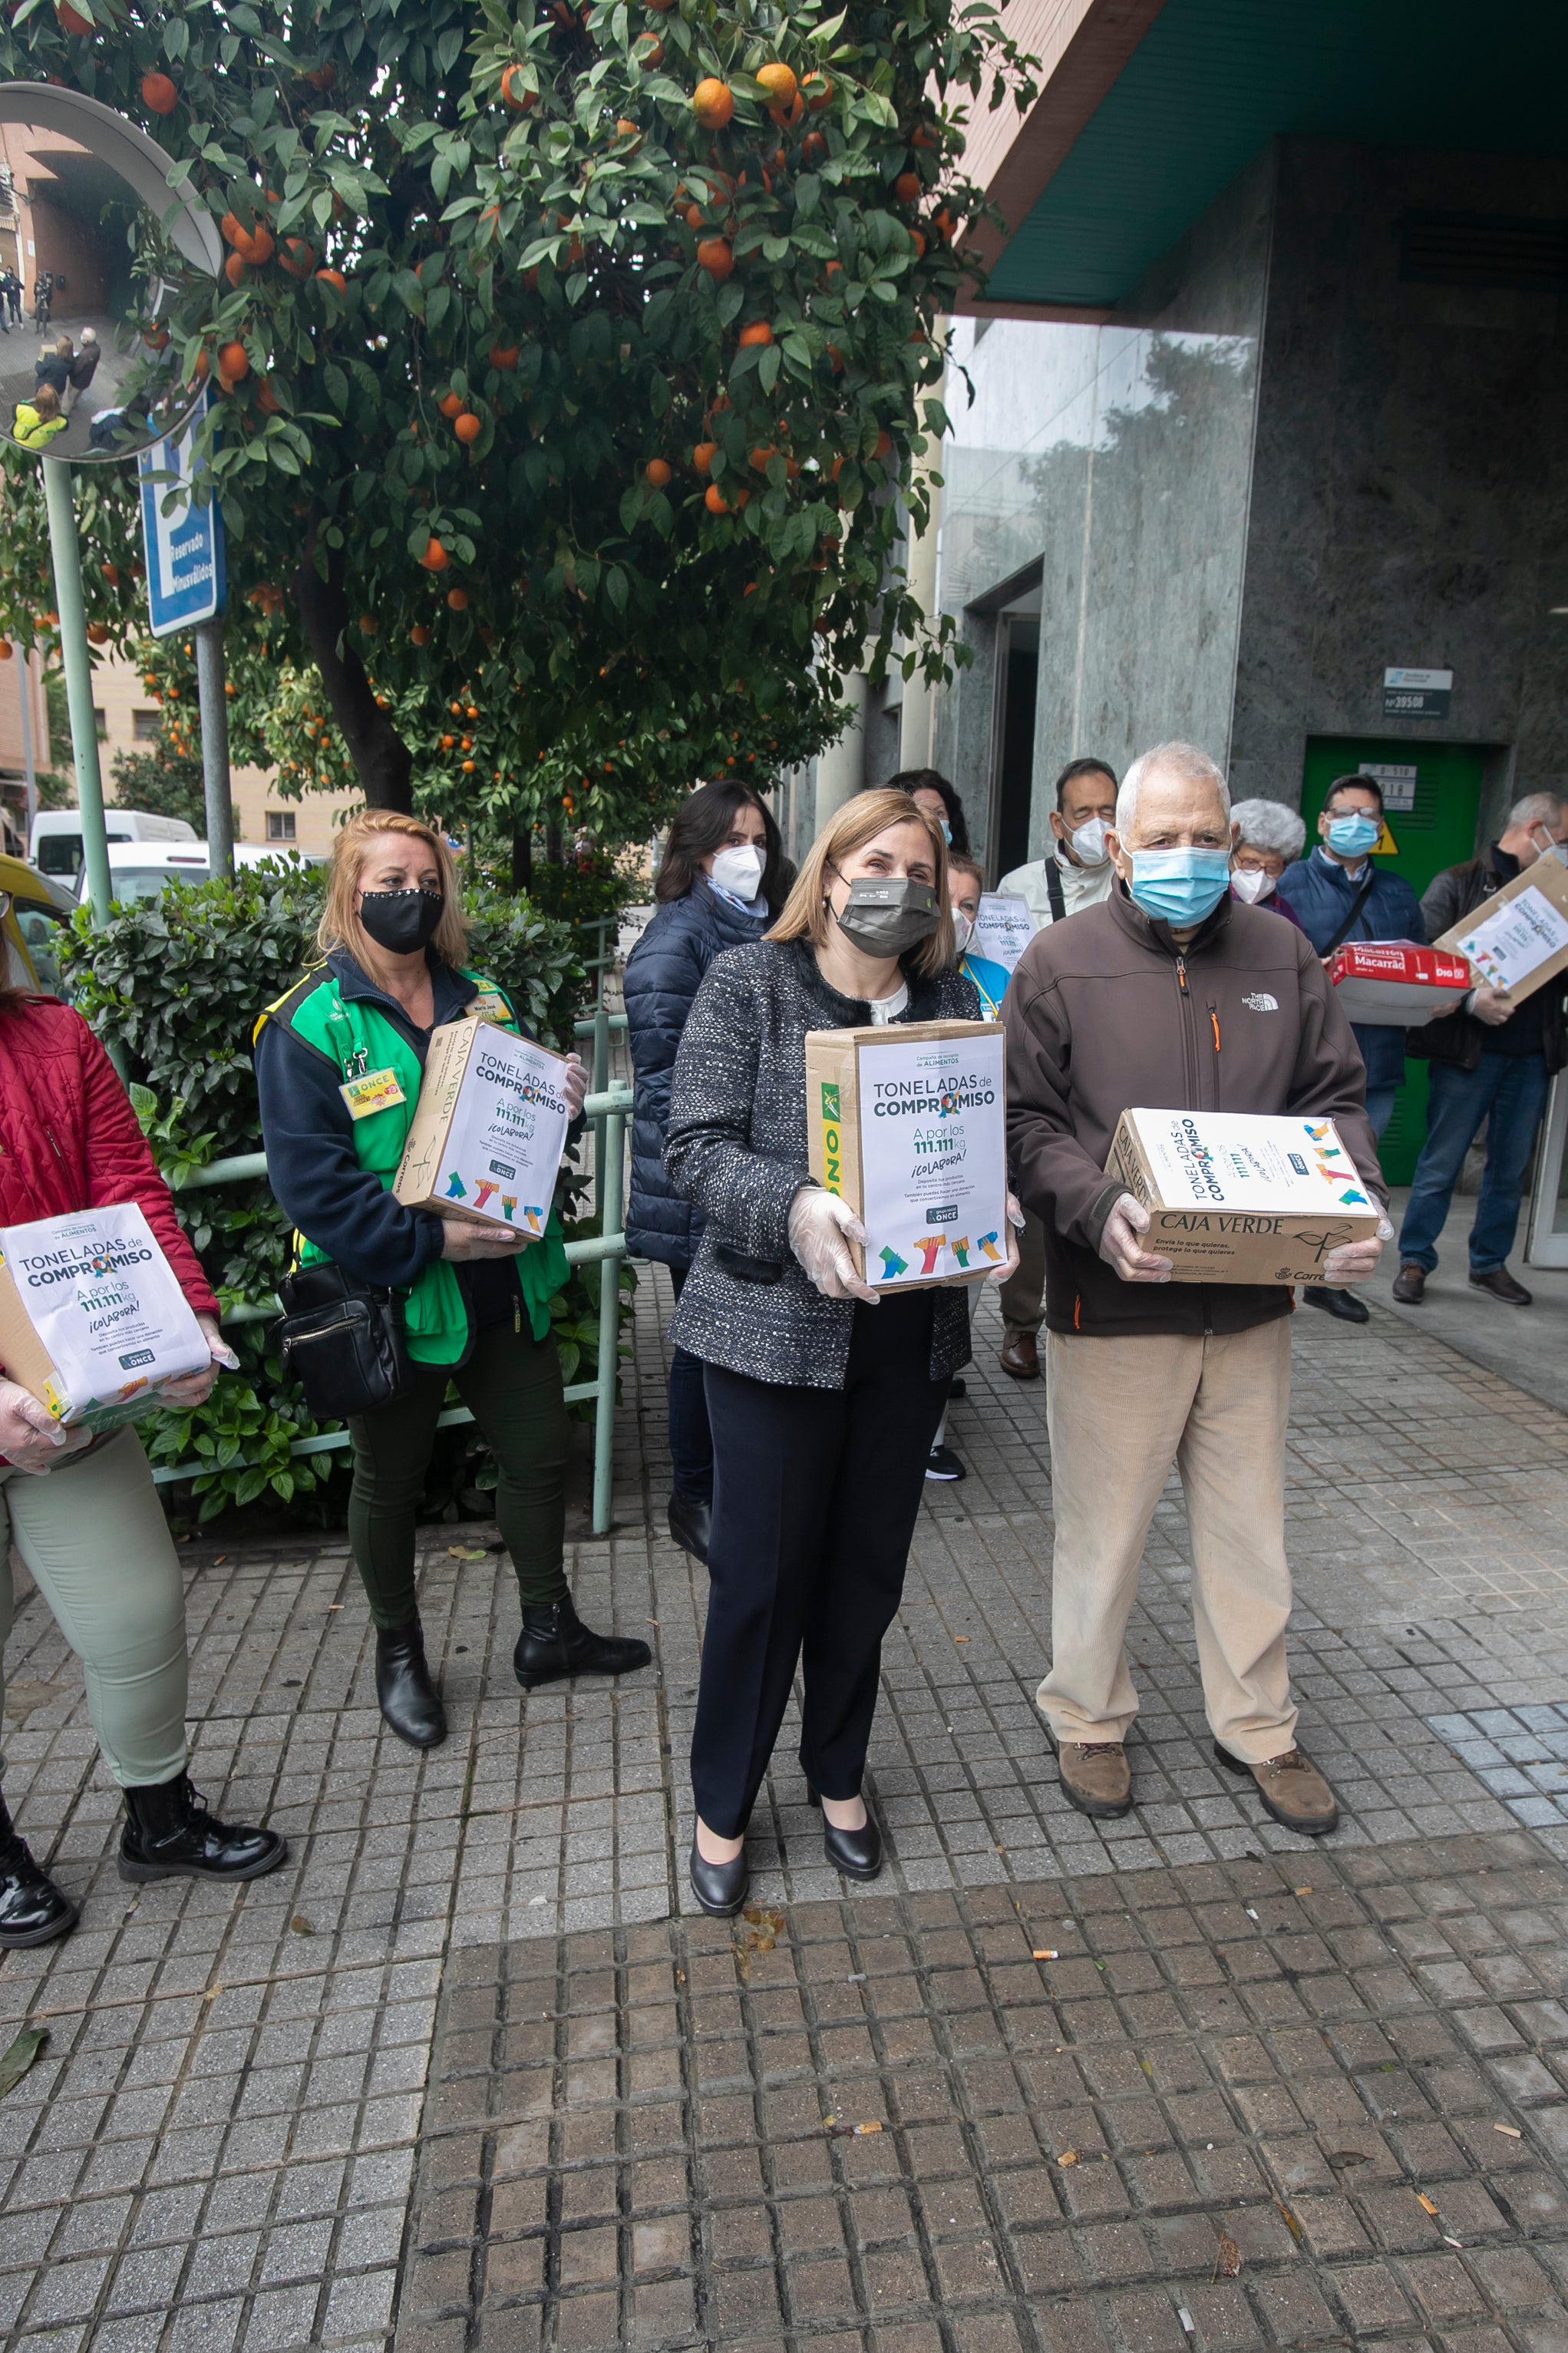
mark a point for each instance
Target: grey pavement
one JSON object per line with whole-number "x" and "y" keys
{"x": 239, "y": 2096}
{"x": 1527, "y": 1346}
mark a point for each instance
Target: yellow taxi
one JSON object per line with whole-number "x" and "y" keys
{"x": 37, "y": 911}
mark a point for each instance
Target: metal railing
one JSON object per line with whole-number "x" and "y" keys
{"x": 607, "y": 1108}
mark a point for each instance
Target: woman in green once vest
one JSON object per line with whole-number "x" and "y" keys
{"x": 337, "y": 1063}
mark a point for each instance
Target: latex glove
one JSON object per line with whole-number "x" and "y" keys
{"x": 818, "y": 1224}
{"x": 1014, "y": 1228}
{"x": 1354, "y": 1262}
{"x": 1492, "y": 1006}
{"x": 194, "y": 1388}
{"x": 466, "y": 1240}
{"x": 574, "y": 1086}
{"x": 30, "y": 1436}
{"x": 1121, "y": 1248}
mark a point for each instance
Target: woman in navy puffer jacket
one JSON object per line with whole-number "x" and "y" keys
{"x": 717, "y": 888}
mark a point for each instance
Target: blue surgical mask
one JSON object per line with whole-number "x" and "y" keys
{"x": 1354, "y": 835}
{"x": 947, "y": 833}
{"x": 1179, "y": 887}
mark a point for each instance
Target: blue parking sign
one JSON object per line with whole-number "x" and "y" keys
{"x": 186, "y": 578}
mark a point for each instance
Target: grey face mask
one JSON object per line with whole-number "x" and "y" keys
{"x": 885, "y": 918}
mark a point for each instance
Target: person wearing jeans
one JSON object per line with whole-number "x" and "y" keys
{"x": 1491, "y": 1062}
{"x": 718, "y": 880}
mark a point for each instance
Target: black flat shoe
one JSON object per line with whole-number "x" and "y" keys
{"x": 169, "y": 1834}
{"x": 554, "y": 1643}
{"x": 407, "y": 1698}
{"x": 721, "y": 1888}
{"x": 690, "y": 1524}
{"x": 1342, "y": 1305}
{"x": 857, "y": 1854}
{"x": 32, "y": 1911}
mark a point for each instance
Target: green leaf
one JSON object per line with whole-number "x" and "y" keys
{"x": 16, "y": 2060}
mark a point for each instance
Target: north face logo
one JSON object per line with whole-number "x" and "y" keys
{"x": 1261, "y": 1002}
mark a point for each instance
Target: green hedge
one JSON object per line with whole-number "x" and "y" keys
{"x": 174, "y": 988}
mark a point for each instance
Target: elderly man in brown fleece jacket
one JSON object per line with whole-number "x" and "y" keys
{"x": 1169, "y": 994}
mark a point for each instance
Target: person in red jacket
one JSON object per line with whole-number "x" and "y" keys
{"x": 82, "y": 1511}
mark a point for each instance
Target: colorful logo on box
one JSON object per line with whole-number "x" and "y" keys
{"x": 832, "y": 1140}
{"x": 485, "y": 1192}
{"x": 927, "y": 1248}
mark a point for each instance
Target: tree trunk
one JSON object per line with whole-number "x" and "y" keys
{"x": 385, "y": 762}
{"x": 554, "y": 846}
{"x": 522, "y": 859}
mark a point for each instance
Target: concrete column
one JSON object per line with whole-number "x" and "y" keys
{"x": 841, "y": 768}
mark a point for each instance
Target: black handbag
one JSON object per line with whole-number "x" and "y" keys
{"x": 344, "y": 1342}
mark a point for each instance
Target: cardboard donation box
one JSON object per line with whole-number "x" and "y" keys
{"x": 1395, "y": 984}
{"x": 92, "y": 1318}
{"x": 488, "y": 1130}
{"x": 1238, "y": 1199}
{"x": 908, "y": 1124}
{"x": 1518, "y": 939}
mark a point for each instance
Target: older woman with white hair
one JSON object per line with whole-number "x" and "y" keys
{"x": 1265, "y": 837}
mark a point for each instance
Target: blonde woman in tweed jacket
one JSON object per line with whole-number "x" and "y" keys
{"x": 823, "y": 1397}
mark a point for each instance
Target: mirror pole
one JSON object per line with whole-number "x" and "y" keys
{"x": 60, "y": 499}
{"x": 214, "y": 699}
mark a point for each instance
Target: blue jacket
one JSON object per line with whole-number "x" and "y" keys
{"x": 664, "y": 972}
{"x": 1321, "y": 894}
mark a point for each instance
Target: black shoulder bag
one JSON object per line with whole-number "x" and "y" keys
{"x": 343, "y": 1340}
{"x": 1357, "y": 904}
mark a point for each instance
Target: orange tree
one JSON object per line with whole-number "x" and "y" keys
{"x": 572, "y": 363}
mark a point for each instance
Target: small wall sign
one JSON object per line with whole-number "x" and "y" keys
{"x": 1416, "y": 693}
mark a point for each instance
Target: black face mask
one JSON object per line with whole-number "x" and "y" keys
{"x": 885, "y": 918}
{"x": 401, "y": 921}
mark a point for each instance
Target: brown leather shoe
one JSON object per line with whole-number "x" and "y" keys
{"x": 1501, "y": 1285}
{"x": 1293, "y": 1790}
{"x": 1410, "y": 1284}
{"x": 1021, "y": 1356}
{"x": 1095, "y": 1777}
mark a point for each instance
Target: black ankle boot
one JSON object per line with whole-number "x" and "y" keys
{"x": 555, "y": 1643}
{"x": 32, "y": 1909}
{"x": 169, "y": 1834}
{"x": 405, "y": 1693}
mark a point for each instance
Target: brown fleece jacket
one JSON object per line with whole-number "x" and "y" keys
{"x": 1104, "y": 1013}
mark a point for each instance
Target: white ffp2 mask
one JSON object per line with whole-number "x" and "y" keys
{"x": 739, "y": 870}
{"x": 1251, "y": 883}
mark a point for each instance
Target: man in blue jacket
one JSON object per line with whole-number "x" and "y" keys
{"x": 1337, "y": 894}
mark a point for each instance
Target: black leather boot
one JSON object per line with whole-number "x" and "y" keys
{"x": 32, "y": 1909}
{"x": 407, "y": 1698}
{"x": 169, "y": 1834}
{"x": 555, "y": 1643}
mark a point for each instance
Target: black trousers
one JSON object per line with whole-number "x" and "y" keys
{"x": 814, "y": 1498}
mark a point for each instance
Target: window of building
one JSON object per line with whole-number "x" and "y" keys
{"x": 280, "y": 824}
{"x": 99, "y": 722}
{"x": 145, "y": 726}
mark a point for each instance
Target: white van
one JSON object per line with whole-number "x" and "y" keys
{"x": 55, "y": 847}
{"x": 143, "y": 869}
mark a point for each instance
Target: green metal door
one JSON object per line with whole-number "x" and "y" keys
{"x": 1435, "y": 827}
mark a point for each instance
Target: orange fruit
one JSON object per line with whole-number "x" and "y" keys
{"x": 656, "y": 473}
{"x": 625, "y": 130}
{"x": 334, "y": 278}
{"x": 515, "y": 92}
{"x": 834, "y": 269}
{"x": 97, "y": 633}
{"x": 233, "y": 361}
{"x": 369, "y": 624}
{"x": 918, "y": 241}
{"x": 467, "y": 426}
{"x": 818, "y": 92}
{"x": 468, "y": 766}
{"x": 649, "y": 51}
{"x": 112, "y": 573}
{"x": 435, "y": 558}
{"x": 251, "y": 245}
{"x": 813, "y": 147}
{"x": 420, "y": 634}
{"x": 704, "y": 455}
{"x": 155, "y": 338}
{"x": 907, "y": 187}
{"x": 716, "y": 256}
{"x": 884, "y": 443}
{"x": 504, "y": 356}
{"x": 943, "y": 223}
{"x": 836, "y": 356}
{"x": 450, "y": 404}
{"x": 449, "y": 743}
{"x": 296, "y": 257}
{"x": 713, "y": 102}
{"x": 73, "y": 20}
{"x": 758, "y": 332}
{"x": 779, "y": 85}
{"x": 694, "y": 217}
{"x": 760, "y": 458}
{"x": 159, "y": 95}
{"x": 266, "y": 399}
{"x": 715, "y": 501}
{"x": 234, "y": 270}
{"x": 457, "y": 598}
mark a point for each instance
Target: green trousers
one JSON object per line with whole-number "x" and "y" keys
{"x": 97, "y": 1545}
{"x": 512, "y": 1385}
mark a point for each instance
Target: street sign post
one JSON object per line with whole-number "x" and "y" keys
{"x": 186, "y": 588}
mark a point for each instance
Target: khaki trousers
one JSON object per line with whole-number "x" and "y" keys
{"x": 1120, "y": 1412}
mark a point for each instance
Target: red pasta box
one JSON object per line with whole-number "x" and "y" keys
{"x": 1394, "y": 984}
